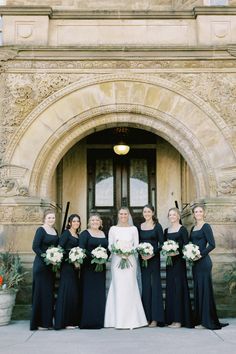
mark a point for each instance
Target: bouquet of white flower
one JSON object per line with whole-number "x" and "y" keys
{"x": 100, "y": 256}
{"x": 145, "y": 249}
{"x": 76, "y": 256}
{"x": 169, "y": 248}
{"x": 190, "y": 252}
{"x": 123, "y": 249}
{"x": 53, "y": 256}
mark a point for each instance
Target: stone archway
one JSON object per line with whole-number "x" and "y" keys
{"x": 156, "y": 105}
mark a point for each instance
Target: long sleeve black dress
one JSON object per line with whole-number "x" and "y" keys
{"x": 177, "y": 302}
{"x": 67, "y": 304}
{"x": 204, "y": 302}
{"x": 43, "y": 282}
{"x": 152, "y": 297}
{"x": 93, "y": 284}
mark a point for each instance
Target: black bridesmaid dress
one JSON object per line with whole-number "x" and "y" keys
{"x": 43, "y": 282}
{"x": 152, "y": 297}
{"x": 67, "y": 304}
{"x": 177, "y": 302}
{"x": 93, "y": 284}
{"x": 204, "y": 303}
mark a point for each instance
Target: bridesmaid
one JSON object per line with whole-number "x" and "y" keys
{"x": 67, "y": 304}
{"x": 177, "y": 304}
{"x": 204, "y": 303}
{"x": 93, "y": 283}
{"x": 151, "y": 231}
{"x": 43, "y": 276}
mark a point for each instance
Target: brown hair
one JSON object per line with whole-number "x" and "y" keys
{"x": 123, "y": 208}
{"x": 154, "y": 217}
{"x": 70, "y": 219}
{"x": 47, "y": 212}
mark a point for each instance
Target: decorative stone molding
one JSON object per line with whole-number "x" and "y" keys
{"x": 23, "y": 93}
{"x": 218, "y": 212}
{"x": 23, "y": 211}
{"x": 218, "y": 90}
{"x": 148, "y": 79}
{"x": 7, "y": 54}
{"x": 69, "y": 66}
{"x": 101, "y": 117}
{"x": 115, "y": 9}
{"x": 227, "y": 187}
{"x": 11, "y": 178}
{"x": 20, "y": 214}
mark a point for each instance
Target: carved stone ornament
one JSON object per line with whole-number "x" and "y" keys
{"x": 6, "y": 54}
{"x": 216, "y": 212}
{"x": 20, "y": 214}
{"x": 22, "y": 93}
{"x": 227, "y": 187}
{"x": 11, "y": 181}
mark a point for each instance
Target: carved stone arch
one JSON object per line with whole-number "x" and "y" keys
{"x": 77, "y": 110}
{"x": 105, "y": 78}
{"x": 178, "y": 136}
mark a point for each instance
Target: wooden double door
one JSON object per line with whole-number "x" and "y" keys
{"x": 115, "y": 181}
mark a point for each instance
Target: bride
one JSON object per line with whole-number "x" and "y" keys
{"x": 124, "y": 308}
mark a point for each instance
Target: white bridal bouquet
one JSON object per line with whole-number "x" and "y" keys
{"x": 145, "y": 249}
{"x": 123, "y": 249}
{"x": 76, "y": 256}
{"x": 169, "y": 247}
{"x": 100, "y": 256}
{"x": 190, "y": 251}
{"x": 53, "y": 256}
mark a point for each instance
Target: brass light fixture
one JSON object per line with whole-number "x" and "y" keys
{"x": 121, "y": 148}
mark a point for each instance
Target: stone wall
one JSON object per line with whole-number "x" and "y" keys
{"x": 110, "y": 5}
{"x": 57, "y": 88}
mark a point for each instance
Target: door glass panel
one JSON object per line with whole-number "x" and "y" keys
{"x": 104, "y": 183}
{"x": 138, "y": 182}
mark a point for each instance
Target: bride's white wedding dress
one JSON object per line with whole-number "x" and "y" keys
{"x": 124, "y": 308}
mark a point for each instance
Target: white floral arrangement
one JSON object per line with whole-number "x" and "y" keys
{"x": 100, "y": 256}
{"x": 145, "y": 249}
{"x": 123, "y": 249}
{"x": 76, "y": 256}
{"x": 169, "y": 248}
{"x": 53, "y": 256}
{"x": 190, "y": 252}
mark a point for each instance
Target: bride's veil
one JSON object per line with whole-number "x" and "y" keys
{"x": 131, "y": 223}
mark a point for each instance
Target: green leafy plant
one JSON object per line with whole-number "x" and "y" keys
{"x": 11, "y": 271}
{"x": 230, "y": 277}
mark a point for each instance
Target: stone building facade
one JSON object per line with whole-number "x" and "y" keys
{"x": 72, "y": 69}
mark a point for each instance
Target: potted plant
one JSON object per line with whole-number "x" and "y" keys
{"x": 230, "y": 277}
{"x": 11, "y": 275}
